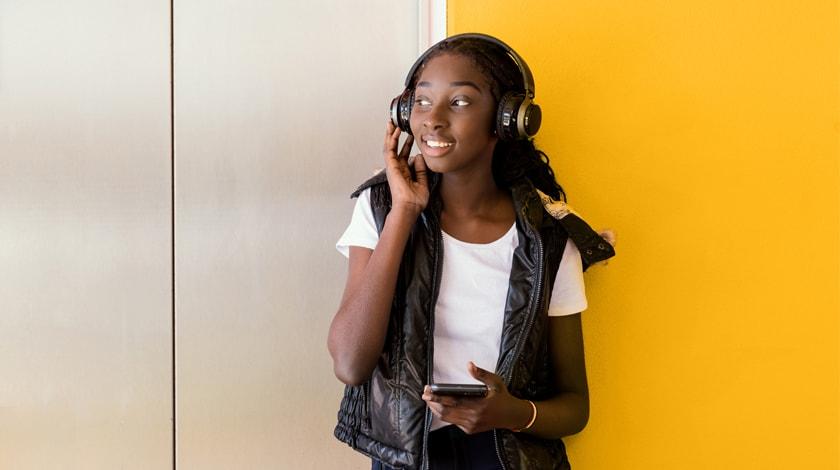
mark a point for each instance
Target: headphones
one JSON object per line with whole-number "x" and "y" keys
{"x": 517, "y": 116}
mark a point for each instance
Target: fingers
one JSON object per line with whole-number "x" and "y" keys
{"x": 437, "y": 409}
{"x": 493, "y": 381}
{"x": 609, "y": 235}
{"x": 392, "y": 137}
{"x": 465, "y": 412}
{"x": 452, "y": 416}
{"x": 392, "y": 140}
{"x": 406, "y": 148}
{"x": 420, "y": 169}
{"x": 443, "y": 400}
{"x": 446, "y": 408}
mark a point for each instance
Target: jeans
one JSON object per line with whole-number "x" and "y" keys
{"x": 452, "y": 449}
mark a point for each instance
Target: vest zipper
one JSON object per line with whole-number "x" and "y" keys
{"x": 430, "y": 366}
{"x": 534, "y": 301}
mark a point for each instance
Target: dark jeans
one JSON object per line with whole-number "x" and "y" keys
{"x": 452, "y": 449}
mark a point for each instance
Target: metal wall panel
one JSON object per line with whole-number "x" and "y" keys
{"x": 280, "y": 112}
{"x": 85, "y": 261}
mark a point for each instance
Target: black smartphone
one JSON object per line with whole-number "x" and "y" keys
{"x": 460, "y": 390}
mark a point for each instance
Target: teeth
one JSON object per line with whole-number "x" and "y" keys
{"x": 434, "y": 143}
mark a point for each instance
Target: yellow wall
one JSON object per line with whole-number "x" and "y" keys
{"x": 706, "y": 133}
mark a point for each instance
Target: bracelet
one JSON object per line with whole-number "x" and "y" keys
{"x": 533, "y": 418}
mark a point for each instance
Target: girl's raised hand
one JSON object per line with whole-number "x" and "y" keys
{"x": 407, "y": 192}
{"x": 499, "y": 409}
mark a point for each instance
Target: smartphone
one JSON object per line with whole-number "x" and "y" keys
{"x": 460, "y": 390}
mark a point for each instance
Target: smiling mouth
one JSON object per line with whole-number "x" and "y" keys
{"x": 438, "y": 144}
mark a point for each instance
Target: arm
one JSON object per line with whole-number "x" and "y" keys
{"x": 568, "y": 412}
{"x": 564, "y": 414}
{"x": 357, "y": 332}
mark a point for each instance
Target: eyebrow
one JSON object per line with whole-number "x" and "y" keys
{"x": 453, "y": 85}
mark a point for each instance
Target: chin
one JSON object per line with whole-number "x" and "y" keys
{"x": 437, "y": 165}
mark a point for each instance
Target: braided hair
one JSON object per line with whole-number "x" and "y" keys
{"x": 512, "y": 160}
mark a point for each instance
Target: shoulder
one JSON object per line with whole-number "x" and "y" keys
{"x": 379, "y": 192}
{"x": 591, "y": 245}
{"x": 375, "y": 194}
{"x": 378, "y": 180}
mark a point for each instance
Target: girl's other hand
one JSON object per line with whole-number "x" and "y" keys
{"x": 499, "y": 409}
{"x": 407, "y": 192}
{"x": 609, "y": 235}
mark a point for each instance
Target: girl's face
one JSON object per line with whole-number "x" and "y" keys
{"x": 453, "y": 114}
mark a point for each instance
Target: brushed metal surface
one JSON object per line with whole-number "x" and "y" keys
{"x": 85, "y": 302}
{"x": 280, "y": 113}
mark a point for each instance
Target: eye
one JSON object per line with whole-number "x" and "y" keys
{"x": 460, "y": 102}
{"x": 422, "y": 102}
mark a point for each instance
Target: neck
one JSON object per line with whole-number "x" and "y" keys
{"x": 470, "y": 193}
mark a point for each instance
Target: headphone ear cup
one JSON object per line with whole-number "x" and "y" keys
{"x": 517, "y": 117}
{"x": 401, "y": 110}
{"x": 532, "y": 119}
{"x": 506, "y": 115}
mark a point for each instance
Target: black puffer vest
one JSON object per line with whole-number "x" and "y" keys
{"x": 385, "y": 418}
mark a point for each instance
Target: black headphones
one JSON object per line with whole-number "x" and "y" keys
{"x": 517, "y": 116}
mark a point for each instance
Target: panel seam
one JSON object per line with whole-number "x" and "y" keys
{"x": 172, "y": 225}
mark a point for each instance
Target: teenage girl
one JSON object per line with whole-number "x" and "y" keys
{"x": 465, "y": 266}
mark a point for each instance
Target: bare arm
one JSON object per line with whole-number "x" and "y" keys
{"x": 357, "y": 332}
{"x": 568, "y": 412}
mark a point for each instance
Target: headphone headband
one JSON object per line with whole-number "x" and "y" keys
{"x": 527, "y": 78}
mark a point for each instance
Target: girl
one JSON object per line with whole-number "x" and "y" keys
{"x": 465, "y": 266}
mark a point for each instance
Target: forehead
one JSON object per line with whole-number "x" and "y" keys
{"x": 447, "y": 68}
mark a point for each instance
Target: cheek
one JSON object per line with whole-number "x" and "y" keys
{"x": 481, "y": 132}
{"x": 490, "y": 124}
{"x": 483, "y": 124}
{"x": 415, "y": 126}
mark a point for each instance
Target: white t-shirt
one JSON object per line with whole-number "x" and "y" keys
{"x": 470, "y": 307}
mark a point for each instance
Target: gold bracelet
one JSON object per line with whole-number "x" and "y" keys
{"x": 533, "y": 418}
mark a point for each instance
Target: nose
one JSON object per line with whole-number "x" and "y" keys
{"x": 436, "y": 118}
